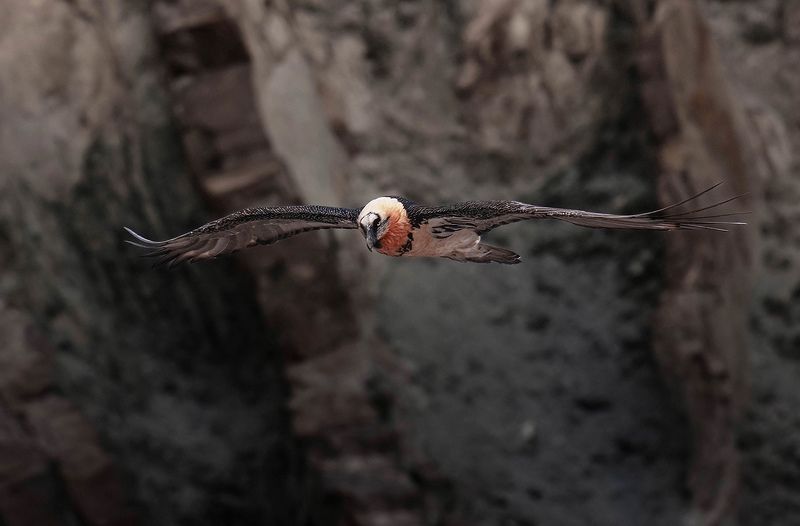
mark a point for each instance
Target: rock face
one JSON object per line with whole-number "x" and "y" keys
{"x": 513, "y": 371}
{"x": 760, "y": 51}
{"x": 311, "y": 383}
{"x": 700, "y": 329}
{"x": 300, "y": 285}
{"x": 190, "y": 406}
{"x": 40, "y": 431}
{"x": 534, "y": 77}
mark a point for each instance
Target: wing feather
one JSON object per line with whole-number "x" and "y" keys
{"x": 244, "y": 229}
{"x": 483, "y": 216}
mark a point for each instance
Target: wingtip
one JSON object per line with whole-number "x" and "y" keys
{"x": 134, "y": 243}
{"x": 141, "y": 240}
{"x": 136, "y": 236}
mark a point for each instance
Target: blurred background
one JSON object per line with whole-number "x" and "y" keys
{"x": 612, "y": 378}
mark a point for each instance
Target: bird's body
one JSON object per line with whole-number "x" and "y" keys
{"x": 398, "y": 227}
{"x": 417, "y": 231}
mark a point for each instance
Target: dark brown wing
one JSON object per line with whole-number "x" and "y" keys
{"x": 483, "y": 216}
{"x": 244, "y": 229}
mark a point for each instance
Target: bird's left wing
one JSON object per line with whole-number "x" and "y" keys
{"x": 244, "y": 229}
{"x": 482, "y": 216}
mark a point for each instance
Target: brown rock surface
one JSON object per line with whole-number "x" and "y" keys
{"x": 310, "y": 383}
{"x": 189, "y": 407}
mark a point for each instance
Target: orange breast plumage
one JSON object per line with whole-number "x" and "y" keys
{"x": 396, "y": 236}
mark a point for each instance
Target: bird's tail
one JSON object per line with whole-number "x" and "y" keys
{"x": 483, "y": 253}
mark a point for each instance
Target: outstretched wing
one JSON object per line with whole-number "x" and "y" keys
{"x": 244, "y": 229}
{"x": 483, "y": 216}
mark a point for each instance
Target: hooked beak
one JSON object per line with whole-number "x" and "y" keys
{"x": 372, "y": 238}
{"x": 370, "y": 230}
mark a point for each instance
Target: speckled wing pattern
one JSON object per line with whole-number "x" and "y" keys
{"x": 244, "y": 229}
{"x": 483, "y": 216}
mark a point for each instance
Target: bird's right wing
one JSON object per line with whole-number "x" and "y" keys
{"x": 483, "y": 216}
{"x": 244, "y": 229}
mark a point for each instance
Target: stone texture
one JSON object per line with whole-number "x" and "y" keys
{"x": 329, "y": 369}
{"x": 700, "y": 333}
{"x": 189, "y": 407}
{"x": 764, "y": 75}
{"x": 479, "y": 355}
{"x": 423, "y": 392}
{"x": 39, "y": 431}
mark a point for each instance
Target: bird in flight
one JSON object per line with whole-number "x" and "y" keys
{"x": 395, "y": 226}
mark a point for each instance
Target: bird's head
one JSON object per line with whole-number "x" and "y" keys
{"x": 384, "y": 224}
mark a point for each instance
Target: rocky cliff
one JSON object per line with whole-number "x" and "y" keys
{"x": 612, "y": 378}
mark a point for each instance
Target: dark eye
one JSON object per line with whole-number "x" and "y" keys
{"x": 376, "y": 222}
